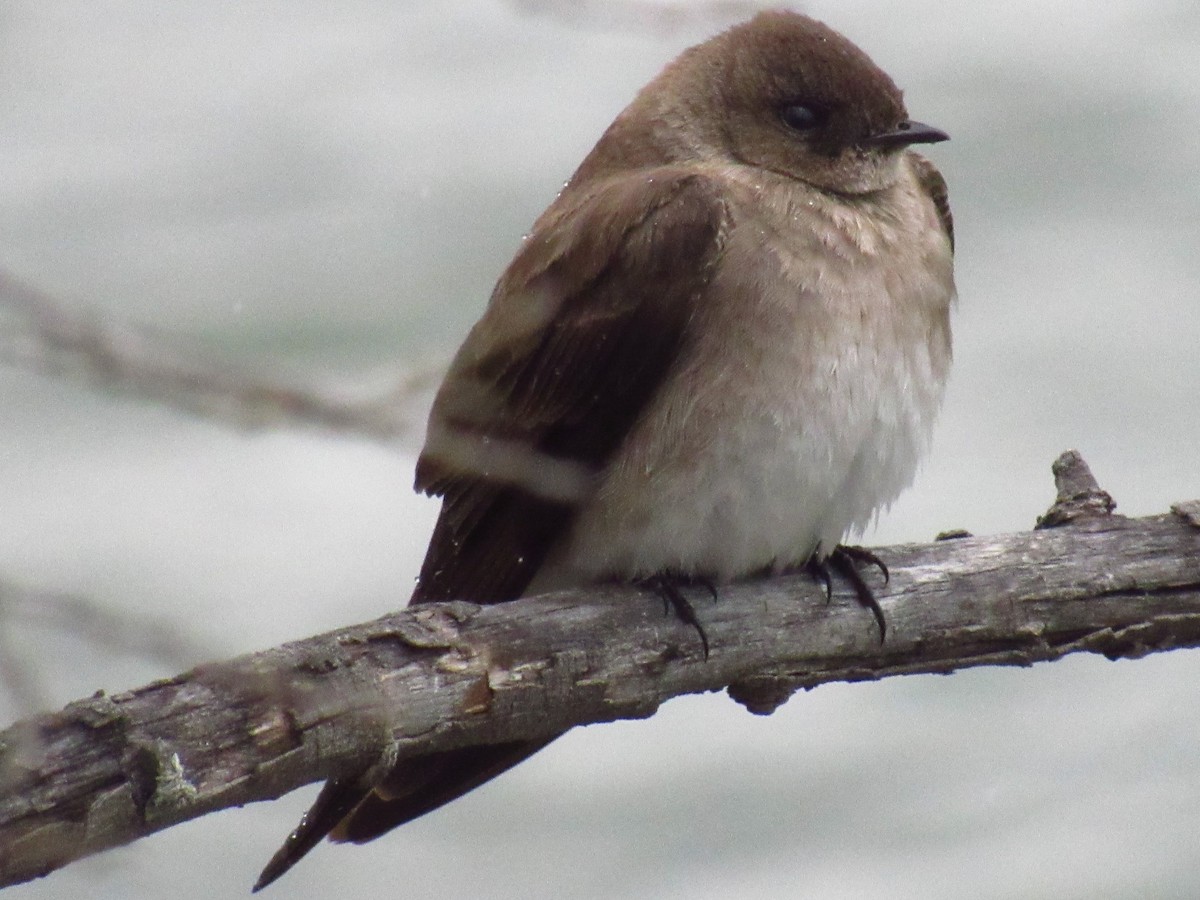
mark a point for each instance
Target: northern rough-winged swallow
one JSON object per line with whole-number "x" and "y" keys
{"x": 719, "y": 350}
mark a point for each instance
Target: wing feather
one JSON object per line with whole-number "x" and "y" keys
{"x": 935, "y": 186}
{"x": 578, "y": 336}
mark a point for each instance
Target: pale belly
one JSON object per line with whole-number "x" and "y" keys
{"x": 743, "y": 474}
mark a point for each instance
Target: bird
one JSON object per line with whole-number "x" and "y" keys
{"x": 720, "y": 350}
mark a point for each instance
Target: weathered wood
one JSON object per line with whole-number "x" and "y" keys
{"x": 110, "y": 769}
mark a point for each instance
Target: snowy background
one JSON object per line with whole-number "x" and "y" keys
{"x": 333, "y": 189}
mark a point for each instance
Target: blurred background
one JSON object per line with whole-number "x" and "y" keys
{"x": 324, "y": 194}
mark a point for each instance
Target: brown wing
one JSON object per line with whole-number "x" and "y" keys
{"x": 579, "y": 333}
{"x": 578, "y": 336}
{"x": 935, "y": 186}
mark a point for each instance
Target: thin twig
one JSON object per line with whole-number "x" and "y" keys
{"x": 55, "y": 338}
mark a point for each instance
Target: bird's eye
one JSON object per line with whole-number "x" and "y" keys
{"x": 801, "y": 117}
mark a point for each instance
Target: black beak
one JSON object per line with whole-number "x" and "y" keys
{"x": 907, "y": 132}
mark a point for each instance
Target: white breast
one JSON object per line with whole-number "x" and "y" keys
{"x": 802, "y": 406}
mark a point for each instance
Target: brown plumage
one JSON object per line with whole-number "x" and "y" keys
{"x": 721, "y": 347}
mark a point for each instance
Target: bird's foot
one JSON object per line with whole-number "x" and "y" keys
{"x": 845, "y": 560}
{"x": 669, "y": 588}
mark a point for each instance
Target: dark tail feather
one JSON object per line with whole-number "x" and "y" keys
{"x": 420, "y": 785}
{"x": 346, "y": 811}
{"x": 353, "y": 809}
{"x": 334, "y": 803}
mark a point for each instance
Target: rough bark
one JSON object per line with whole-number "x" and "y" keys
{"x": 112, "y": 768}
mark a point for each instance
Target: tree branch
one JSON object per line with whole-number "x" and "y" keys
{"x": 48, "y": 336}
{"x": 110, "y": 769}
{"x": 640, "y": 17}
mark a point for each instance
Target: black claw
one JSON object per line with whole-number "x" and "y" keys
{"x": 667, "y": 586}
{"x": 819, "y": 571}
{"x": 863, "y": 555}
{"x": 845, "y": 561}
